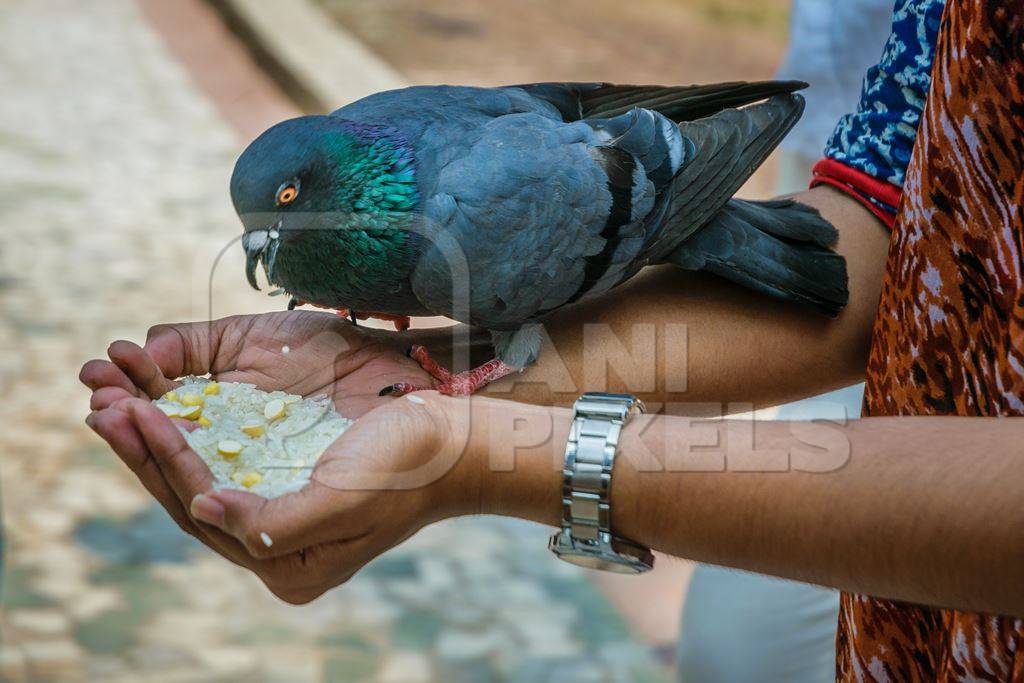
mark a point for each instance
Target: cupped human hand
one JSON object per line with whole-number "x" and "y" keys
{"x": 398, "y": 468}
{"x": 302, "y": 352}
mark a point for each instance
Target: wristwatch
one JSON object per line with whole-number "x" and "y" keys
{"x": 585, "y": 538}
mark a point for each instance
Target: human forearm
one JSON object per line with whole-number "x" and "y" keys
{"x": 917, "y": 509}
{"x": 696, "y": 338}
{"x": 923, "y": 510}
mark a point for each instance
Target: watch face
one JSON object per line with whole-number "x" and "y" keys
{"x": 624, "y": 565}
{"x": 606, "y": 560}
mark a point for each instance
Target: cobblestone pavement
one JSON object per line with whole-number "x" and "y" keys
{"x": 113, "y": 201}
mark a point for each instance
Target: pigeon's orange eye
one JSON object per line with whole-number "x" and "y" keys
{"x": 287, "y": 194}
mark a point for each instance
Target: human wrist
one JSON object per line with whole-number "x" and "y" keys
{"x": 511, "y": 456}
{"x": 452, "y": 488}
{"x": 879, "y": 197}
{"x": 636, "y": 470}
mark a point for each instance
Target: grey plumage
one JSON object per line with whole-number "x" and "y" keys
{"x": 536, "y": 196}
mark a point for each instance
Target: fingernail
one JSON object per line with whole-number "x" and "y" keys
{"x": 207, "y": 509}
{"x": 90, "y": 420}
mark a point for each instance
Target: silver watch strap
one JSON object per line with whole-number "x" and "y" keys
{"x": 585, "y": 537}
{"x": 589, "y": 457}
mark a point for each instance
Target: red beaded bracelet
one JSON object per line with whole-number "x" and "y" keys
{"x": 860, "y": 186}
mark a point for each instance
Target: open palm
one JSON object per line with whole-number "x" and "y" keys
{"x": 301, "y": 352}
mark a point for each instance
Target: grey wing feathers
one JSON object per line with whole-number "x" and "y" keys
{"x": 548, "y": 209}
{"x": 727, "y": 148}
{"x": 654, "y": 140}
{"x": 781, "y": 248}
{"x": 696, "y": 165}
{"x": 577, "y": 101}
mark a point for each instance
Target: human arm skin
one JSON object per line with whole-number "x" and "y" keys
{"x": 925, "y": 509}
{"x": 743, "y": 347}
{"x": 921, "y": 509}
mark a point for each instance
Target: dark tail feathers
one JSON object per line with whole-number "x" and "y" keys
{"x": 782, "y": 248}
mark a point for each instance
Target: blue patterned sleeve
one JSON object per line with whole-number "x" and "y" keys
{"x": 878, "y": 138}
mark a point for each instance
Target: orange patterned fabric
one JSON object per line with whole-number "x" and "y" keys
{"x": 949, "y": 336}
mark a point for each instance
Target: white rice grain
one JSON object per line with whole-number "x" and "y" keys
{"x": 283, "y": 454}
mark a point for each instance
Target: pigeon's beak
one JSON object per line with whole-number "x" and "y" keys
{"x": 260, "y": 245}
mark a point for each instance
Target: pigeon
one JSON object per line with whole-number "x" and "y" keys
{"x": 498, "y": 206}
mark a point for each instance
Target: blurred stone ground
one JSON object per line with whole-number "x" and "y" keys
{"x": 113, "y": 205}
{"x": 490, "y": 42}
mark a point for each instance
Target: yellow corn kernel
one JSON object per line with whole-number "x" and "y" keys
{"x": 273, "y": 410}
{"x": 172, "y": 410}
{"x": 204, "y": 421}
{"x": 229, "y": 448}
{"x": 192, "y": 400}
{"x": 211, "y": 389}
{"x": 192, "y": 412}
{"x": 171, "y": 396}
{"x": 253, "y": 430}
{"x": 250, "y": 479}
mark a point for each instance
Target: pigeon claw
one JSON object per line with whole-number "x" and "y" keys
{"x": 451, "y": 384}
{"x": 419, "y": 353}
